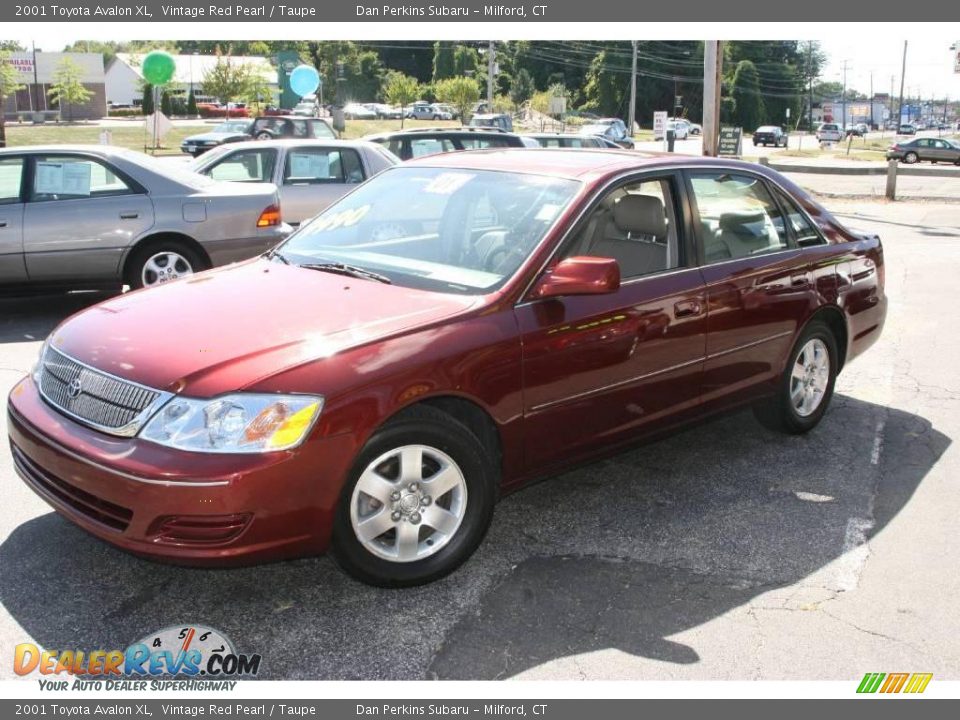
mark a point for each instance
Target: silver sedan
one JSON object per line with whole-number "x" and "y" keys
{"x": 310, "y": 174}
{"x": 97, "y": 216}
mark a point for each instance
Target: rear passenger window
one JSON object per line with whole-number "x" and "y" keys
{"x": 634, "y": 224}
{"x": 804, "y": 232}
{"x": 738, "y": 217}
{"x": 429, "y": 146}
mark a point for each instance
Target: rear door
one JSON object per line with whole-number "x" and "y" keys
{"x": 12, "y": 171}
{"x": 81, "y": 214}
{"x": 758, "y": 285}
{"x": 315, "y": 177}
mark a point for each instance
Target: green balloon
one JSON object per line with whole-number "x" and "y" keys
{"x": 158, "y": 67}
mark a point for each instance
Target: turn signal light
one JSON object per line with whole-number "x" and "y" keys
{"x": 270, "y": 217}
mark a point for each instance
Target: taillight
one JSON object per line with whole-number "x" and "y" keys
{"x": 270, "y": 217}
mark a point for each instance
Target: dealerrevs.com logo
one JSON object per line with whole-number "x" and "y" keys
{"x": 891, "y": 683}
{"x": 188, "y": 657}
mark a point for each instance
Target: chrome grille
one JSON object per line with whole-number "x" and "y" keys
{"x": 96, "y": 398}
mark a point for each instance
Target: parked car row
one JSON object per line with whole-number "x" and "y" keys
{"x": 454, "y": 328}
{"x": 270, "y": 127}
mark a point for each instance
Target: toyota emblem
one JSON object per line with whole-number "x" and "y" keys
{"x": 73, "y": 389}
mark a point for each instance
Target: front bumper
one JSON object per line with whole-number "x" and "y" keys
{"x": 190, "y": 508}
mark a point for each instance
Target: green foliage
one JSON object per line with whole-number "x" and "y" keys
{"x": 9, "y": 84}
{"x": 522, "y": 88}
{"x": 749, "y": 112}
{"x": 400, "y": 90}
{"x": 147, "y": 105}
{"x": 605, "y": 91}
{"x": 166, "y": 103}
{"x": 191, "y": 104}
{"x": 67, "y": 90}
{"x": 360, "y": 76}
{"x": 460, "y": 92}
{"x": 466, "y": 60}
{"x": 443, "y": 61}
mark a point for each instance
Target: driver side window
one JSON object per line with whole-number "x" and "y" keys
{"x": 636, "y": 225}
{"x": 738, "y": 217}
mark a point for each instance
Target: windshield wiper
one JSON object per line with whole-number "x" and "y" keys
{"x": 351, "y": 270}
{"x": 274, "y": 253}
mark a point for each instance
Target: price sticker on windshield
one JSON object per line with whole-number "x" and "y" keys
{"x": 448, "y": 183}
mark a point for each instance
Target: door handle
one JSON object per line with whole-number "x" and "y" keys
{"x": 129, "y": 215}
{"x": 687, "y": 308}
{"x": 3, "y": 223}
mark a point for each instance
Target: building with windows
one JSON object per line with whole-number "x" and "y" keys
{"x": 124, "y": 76}
{"x": 36, "y": 71}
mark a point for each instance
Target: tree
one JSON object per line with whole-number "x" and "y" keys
{"x": 227, "y": 81}
{"x": 9, "y": 84}
{"x": 522, "y": 88}
{"x": 460, "y": 92}
{"x": 166, "y": 104}
{"x": 465, "y": 60}
{"x": 400, "y": 90}
{"x": 443, "y": 60}
{"x": 605, "y": 91}
{"x": 67, "y": 88}
{"x": 192, "y": 104}
{"x": 146, "y": 106}
{"x": 749, "y": 111}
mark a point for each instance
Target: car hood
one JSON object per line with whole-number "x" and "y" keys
{"x": 218, "y": 136}
{"x": 227, "y": 329}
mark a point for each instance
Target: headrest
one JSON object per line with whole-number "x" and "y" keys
{"x": 737, "y": 222}
{"x": 640, "y": 215}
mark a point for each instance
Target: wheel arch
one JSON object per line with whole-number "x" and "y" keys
{"x": 835, "y": 319}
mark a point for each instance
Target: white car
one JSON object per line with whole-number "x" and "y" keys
{"x": 356, "y": 111}
{"x": 310, "y": 174}
{"x": 829, "y": 132}
{"x": 680, "y": 129}
{"x": 428, "y": 111}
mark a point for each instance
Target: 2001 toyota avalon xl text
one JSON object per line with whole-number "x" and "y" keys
{"x": 450, "y": 330}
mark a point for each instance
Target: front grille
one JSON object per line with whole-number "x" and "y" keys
{"x": 93, "y": 397}
{"x": 113, "y": 516}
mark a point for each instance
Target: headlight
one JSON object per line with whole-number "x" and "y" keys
{"x": 39, "y": 364}
{"x": 241, "y": 423}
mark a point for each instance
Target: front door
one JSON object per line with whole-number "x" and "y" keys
{"x": 314, "y": 178}
{"x": 597, "y": 368}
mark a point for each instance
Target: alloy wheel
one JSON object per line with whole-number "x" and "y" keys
{"x": 810, "y": 377}
{"x": 163, "y": 267}
{"x": 408, "y": 503}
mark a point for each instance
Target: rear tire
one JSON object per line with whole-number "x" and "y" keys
{"x": 403, "y": 546}
{"x": 910, "y": 158}
{"x": 805, "y": 388}
{"x": 159, "y": 262}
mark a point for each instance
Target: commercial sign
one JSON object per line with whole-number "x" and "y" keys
{"x": 659, "y": 124}
{"x": 731, "y": 141}
{"x": 23, "y": 64}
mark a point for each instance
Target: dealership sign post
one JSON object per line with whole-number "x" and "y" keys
{"x": 660, "y": 125}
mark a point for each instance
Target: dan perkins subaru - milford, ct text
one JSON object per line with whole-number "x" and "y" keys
{"x": 401, "y": 11}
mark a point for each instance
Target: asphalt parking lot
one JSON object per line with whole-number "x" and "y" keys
{"x": 723, "y": 552}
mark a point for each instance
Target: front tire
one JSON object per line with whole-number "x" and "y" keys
{"x": 806, "y": 385}
{"x": 417, "y": 503}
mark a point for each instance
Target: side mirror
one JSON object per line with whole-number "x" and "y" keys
{"x": 579, "y": 276}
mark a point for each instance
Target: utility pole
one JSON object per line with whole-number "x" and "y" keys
{"x": 632, "y": 114}
{"x": 810, "y": 84}
{"x": 843, "y": 98}
{"x": 871, "y": 99}
{"x": 491, "y": 65}
{"x": 712, "y": 69}
{"x": 903, "y": 74}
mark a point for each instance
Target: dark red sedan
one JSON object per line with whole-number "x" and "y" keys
{"x": 454, "y": 328}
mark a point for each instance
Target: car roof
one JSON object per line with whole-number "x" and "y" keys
{"x": 288, "y": 142}
{"x": 101, "y": 150}
{"x": 419, "y": 132}
{"x": 575, "y": 164}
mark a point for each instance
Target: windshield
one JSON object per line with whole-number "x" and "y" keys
{"x": 448, "y": 230}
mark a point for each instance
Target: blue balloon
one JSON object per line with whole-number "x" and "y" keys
{"x": 304, "y": 80}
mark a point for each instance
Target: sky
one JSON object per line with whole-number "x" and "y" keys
{"x": 929, "y": 63}
{"x": 876, "y": 47}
